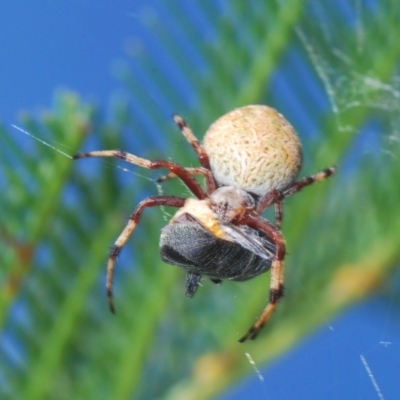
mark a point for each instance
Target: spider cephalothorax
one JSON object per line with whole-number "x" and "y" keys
{"x": 250, "y": 159}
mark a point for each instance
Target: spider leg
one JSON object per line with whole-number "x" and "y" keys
{"x": 193, "y": 171}
{"x": 276, "y": 197}
{"x": 308, "y": 180}
{"x": 198, "y": 148}
{"x": 193, "y": 141}
{"x": 272, "y": 197}
{"x": 152, "y": 201}
{"x": 278, "y": 214}
{"x": 277, "y": 268}
{"x": 176, "y": 169}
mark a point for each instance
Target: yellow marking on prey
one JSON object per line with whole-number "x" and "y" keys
{"x": 200, "y": 209}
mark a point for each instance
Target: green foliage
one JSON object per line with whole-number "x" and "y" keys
{"x": 58, "y": 218}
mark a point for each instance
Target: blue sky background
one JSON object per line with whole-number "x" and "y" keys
{"x": 45, "y": 45}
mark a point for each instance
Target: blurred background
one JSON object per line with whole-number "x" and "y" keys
{"x": 86, "y": 75}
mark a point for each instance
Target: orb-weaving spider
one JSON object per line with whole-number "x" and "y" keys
{"x": 250, "y": 159}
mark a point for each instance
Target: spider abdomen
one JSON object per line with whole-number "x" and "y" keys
{"x": 253, "y": 148}
{"x": 189, "y": 245}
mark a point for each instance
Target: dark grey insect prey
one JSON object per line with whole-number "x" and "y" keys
{"x": 189, "y": 245}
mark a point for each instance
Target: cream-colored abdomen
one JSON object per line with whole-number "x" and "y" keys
{"x": 253, "y": 148}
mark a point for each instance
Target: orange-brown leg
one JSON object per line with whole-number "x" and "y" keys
{"x": 176, "y": 169}
{"x": 277, "y": 274}
{"x": 308, "y": 180}
{"x": 127, "y": 232}
{"x": 198, "y": 148}
{"x": 192, "y": 171}
{"x": 276, "y": 197}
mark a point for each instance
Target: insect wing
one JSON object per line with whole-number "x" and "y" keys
{"x": 247, "y": 238}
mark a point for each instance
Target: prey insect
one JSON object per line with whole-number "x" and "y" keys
{"x": 250, "y": 159}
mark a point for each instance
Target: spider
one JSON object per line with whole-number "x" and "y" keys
{"x": 250, "y": 159}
